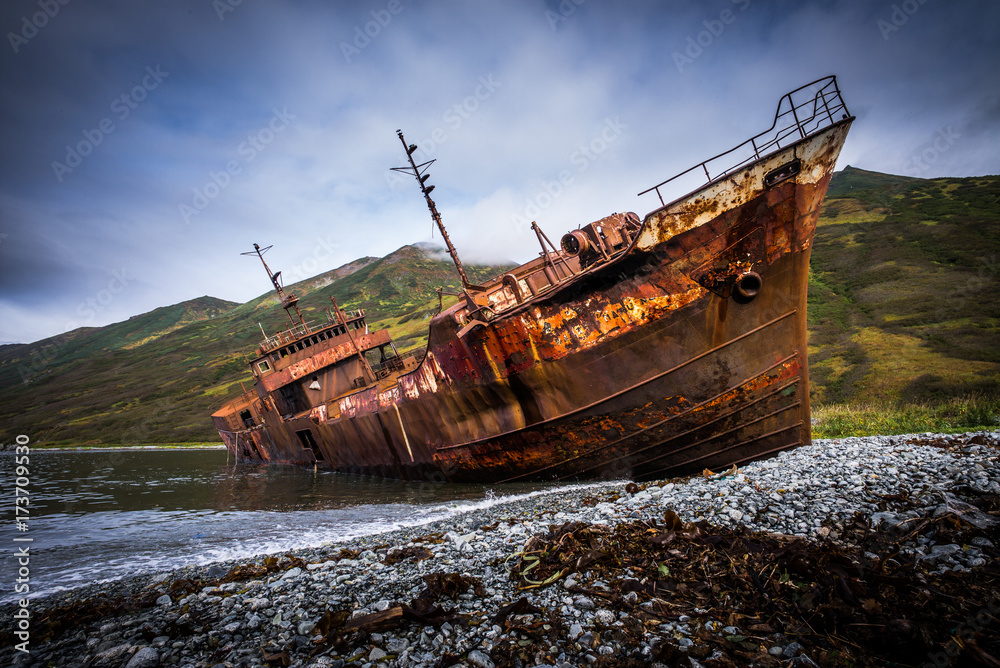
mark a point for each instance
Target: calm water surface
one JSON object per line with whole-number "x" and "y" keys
{"x": 103, "y": 515}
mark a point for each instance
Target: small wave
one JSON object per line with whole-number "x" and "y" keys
{"x": 74, "y": 551}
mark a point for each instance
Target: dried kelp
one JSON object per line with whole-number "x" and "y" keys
{"x": 408, "y": 552}
{"x": 339, "y": 631}
{"x": 863, "y": 605}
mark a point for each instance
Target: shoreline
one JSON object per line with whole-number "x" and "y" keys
{"x": 604, "y": 572}
{"x": 123, "y": 448}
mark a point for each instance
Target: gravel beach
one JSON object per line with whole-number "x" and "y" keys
{"x": 856, "y": 551}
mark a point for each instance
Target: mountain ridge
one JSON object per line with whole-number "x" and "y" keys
{"x": 903, "y": 305}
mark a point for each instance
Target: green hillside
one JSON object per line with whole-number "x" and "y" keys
{"x": 903, "y": 307}
{"x": 853, "y": 181}
{"x": 903, "y": 300}
{"x": 156, "y": 377}
{"x": 29, "y": 363}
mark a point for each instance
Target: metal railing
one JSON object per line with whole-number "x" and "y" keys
{"x": 388, "y": 366}
{"x": 287, "y": 336}
{"x": 298, "y": 331}
{"x": 799, "y": 115}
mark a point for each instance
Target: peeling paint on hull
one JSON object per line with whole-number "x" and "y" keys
{"x": 685, "y": 351}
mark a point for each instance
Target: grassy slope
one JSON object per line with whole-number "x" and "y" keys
{"x": 903, "y": 300}
{"x": 903, "y": 305}
{"x": 156, "y": 377}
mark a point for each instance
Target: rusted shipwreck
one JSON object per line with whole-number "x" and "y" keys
{"x": 639, "y": 348}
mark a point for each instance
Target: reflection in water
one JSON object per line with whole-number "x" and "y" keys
{"x": 102, "y": 515}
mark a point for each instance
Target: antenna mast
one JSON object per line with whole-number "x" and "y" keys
{"x": 418, "y": 172}
{"x": 287, "y": 301}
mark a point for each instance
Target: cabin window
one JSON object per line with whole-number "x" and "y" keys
{"x": 307, "y": 440}
{"x": 263, "y": 366}
{"x": 293, "y": 398}
{"x": 247, "y": 419}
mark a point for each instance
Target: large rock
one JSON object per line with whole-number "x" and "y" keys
{"x": 147, "y": 657}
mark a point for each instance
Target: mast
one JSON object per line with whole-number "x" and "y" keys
{"x": 287, "y": 301}
{"x": 418, "y": 172}
{"x": 365, "y": 366}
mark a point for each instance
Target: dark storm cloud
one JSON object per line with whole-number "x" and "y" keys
{"x": 206, "y": 130}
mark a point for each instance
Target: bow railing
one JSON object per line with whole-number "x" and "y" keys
{"x": 801, "y": 113}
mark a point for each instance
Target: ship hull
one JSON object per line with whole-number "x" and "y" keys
{"x": 686, "y": 352}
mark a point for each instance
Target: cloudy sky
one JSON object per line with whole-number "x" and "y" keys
{"x": 147, "y": 144}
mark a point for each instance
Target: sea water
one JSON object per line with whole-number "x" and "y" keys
{"x": 98, "y": 515}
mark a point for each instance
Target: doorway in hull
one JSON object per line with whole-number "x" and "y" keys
{"x": 294, "y": 399}
{"x": 307, "y": 440}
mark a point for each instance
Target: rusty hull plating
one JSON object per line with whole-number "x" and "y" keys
{"x": 638, "y": 348}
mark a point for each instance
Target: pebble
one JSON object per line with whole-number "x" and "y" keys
{"x": 477, "y": 658}
{"x": 807, "y": 492}
{"x": 146, "y": 657}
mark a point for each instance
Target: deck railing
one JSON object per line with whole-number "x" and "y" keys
{"x": 302, "y": 329}
{"x": 800, "y": 113}
{"x": 281, "y": 338}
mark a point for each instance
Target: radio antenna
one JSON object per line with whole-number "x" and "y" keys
{"x": 419, "y": 172}
{"x": 287, "y": 301}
